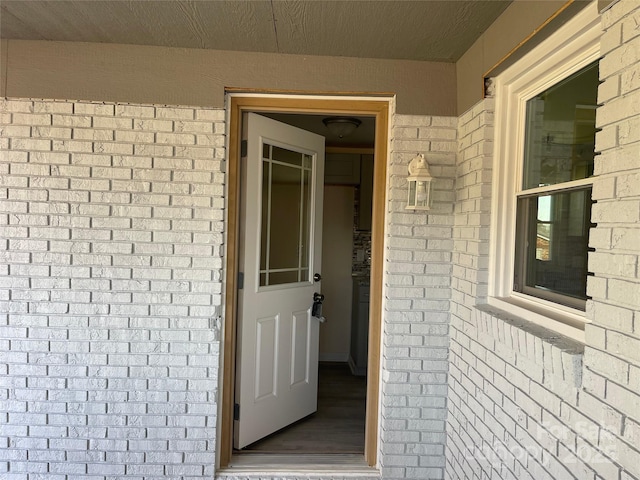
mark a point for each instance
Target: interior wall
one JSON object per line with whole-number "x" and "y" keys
{"x": 178, "y": 76}
{"x": 337, "y": 245}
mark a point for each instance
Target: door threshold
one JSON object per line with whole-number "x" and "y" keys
{"x": 311, "y": 462}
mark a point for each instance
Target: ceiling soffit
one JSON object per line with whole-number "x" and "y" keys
{"x": 427, "y": 30}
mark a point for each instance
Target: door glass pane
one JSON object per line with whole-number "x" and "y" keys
{"x": 287, "y": 156}
{"x": 560, "y": 131}
{"x": 306, "y": 219}
{"x": 554, "y": 254}
{"x": 279, "y": 278}
{"x": 286, "y": 217}
{"x": 264, "y": 231}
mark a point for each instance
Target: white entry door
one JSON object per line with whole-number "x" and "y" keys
{"x": 280, "y": 253}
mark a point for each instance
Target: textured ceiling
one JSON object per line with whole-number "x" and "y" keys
{"x": 412, "y": 30}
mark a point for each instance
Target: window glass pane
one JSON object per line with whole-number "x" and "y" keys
{"x": 543, "y": 238}
{"x": 560, "y": 131}
{"x": 552, "y": 232}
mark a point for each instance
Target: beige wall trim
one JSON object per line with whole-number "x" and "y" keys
{"x": 380, "y": 108}
{"x": 568, "y": 10}
{"x": 146, "y": 74}
{"x": 517, "y": 21}
{"x": 4, "y": 49}
{"x": 262, "y": 91}
{"x": 606, "y": 4}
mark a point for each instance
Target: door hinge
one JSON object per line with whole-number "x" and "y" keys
{"x": 243, "y": 148}
{"x": 236, "y": 411}
{"x": 240, "y": 280}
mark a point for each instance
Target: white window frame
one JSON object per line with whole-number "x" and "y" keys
{"x": 571, "y": 48}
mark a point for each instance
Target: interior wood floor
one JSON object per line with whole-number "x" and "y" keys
{"x": 337, "y": 426}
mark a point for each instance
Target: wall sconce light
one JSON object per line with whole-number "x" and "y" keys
{"x": 419, "y": 180}
{"x": 341, "y": 126}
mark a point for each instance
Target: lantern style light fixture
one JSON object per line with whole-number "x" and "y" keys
{"x": 419, "y": 180}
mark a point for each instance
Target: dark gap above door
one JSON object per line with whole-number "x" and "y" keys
{"x": 362, "y": 137}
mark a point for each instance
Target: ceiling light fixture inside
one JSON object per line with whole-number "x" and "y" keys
{"x": 341, "y": 126}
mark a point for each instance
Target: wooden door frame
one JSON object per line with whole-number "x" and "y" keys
{"x": 379, "y": 108}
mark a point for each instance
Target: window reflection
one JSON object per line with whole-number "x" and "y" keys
{"x": 560, "y": 132}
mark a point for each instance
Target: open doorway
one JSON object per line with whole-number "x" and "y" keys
{"x": 338, "y": 424}
{"x": 377, "y": 111}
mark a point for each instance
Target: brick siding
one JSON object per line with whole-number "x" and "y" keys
{"x": 417, "y": 302}
{"x": 112, "y": 222}
{"x": 522, "y": 404}
{"x": 110, "y": 288}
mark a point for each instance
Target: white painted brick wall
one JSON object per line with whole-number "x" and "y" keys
{"x": 110, "y": 289}
{"x": 112, "y": 221}
{"x": 109, "y": 355}
{"x": 523, "y": 405}
{"x": 418, "y": 292}
{"x": 612, "y": 386}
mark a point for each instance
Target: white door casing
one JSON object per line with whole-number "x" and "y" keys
{"x": 280, "y": 251}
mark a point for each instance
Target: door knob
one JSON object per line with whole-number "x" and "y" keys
{"x": 316, "y": 308}
{"x": 317, "y": 277}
